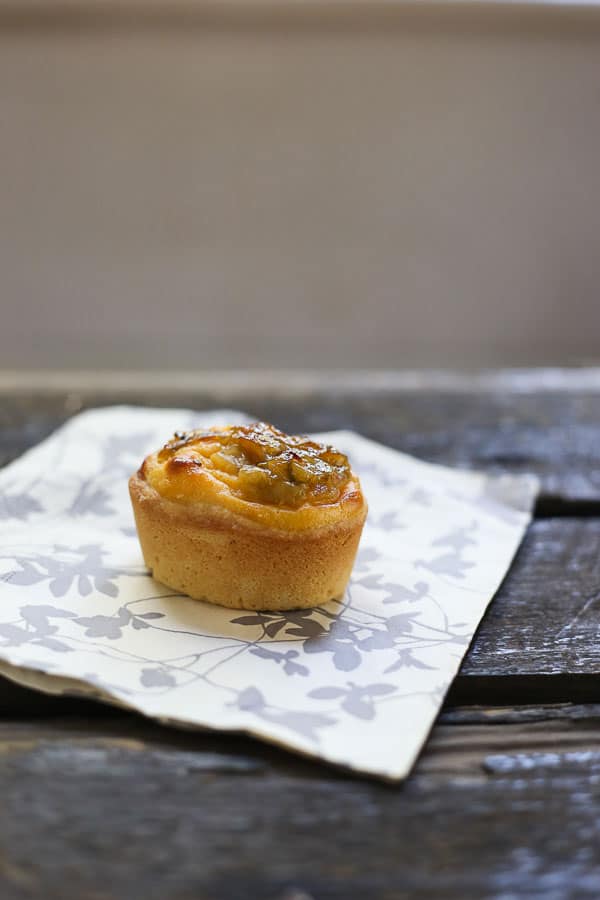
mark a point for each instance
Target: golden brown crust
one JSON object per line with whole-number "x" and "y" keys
{"x": 210, "y": 553}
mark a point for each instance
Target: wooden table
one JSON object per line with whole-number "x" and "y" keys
{"x": 505, "y": 800}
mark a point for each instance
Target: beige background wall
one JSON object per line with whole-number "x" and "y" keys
{"x": 295, "y": 188}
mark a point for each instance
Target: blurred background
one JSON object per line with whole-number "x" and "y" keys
{"x": 187, "y": 185}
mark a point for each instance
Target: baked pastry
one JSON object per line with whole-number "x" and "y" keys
{"x": 249, "y": 517}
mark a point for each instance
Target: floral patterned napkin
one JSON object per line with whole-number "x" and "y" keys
{"x": 357, "y": 682}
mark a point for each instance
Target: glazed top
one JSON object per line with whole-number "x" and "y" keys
{"x": 259, "y": 472}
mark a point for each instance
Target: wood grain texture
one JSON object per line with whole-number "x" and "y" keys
{"x": 544, "y": 620}
{"x": 492, "y": 811}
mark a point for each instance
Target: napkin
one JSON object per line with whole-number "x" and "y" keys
{"x": 356, "y": 682}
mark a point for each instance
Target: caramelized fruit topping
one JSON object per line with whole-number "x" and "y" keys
{"x": 259, "y": 463}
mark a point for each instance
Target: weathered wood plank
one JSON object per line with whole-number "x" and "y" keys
{"x": 510, "y": 715}
{"x": 538, "y": 642}
{"x": 459, "y": 744}
{"x": 555, "y": 434}
{"x": 544, "y": 620}
{"x": 138, "y": 811}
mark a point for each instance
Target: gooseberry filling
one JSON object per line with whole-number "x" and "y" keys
{"x": 261, "y": 464}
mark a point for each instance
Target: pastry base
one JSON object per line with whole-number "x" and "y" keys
{"x": 211, "y": 554}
